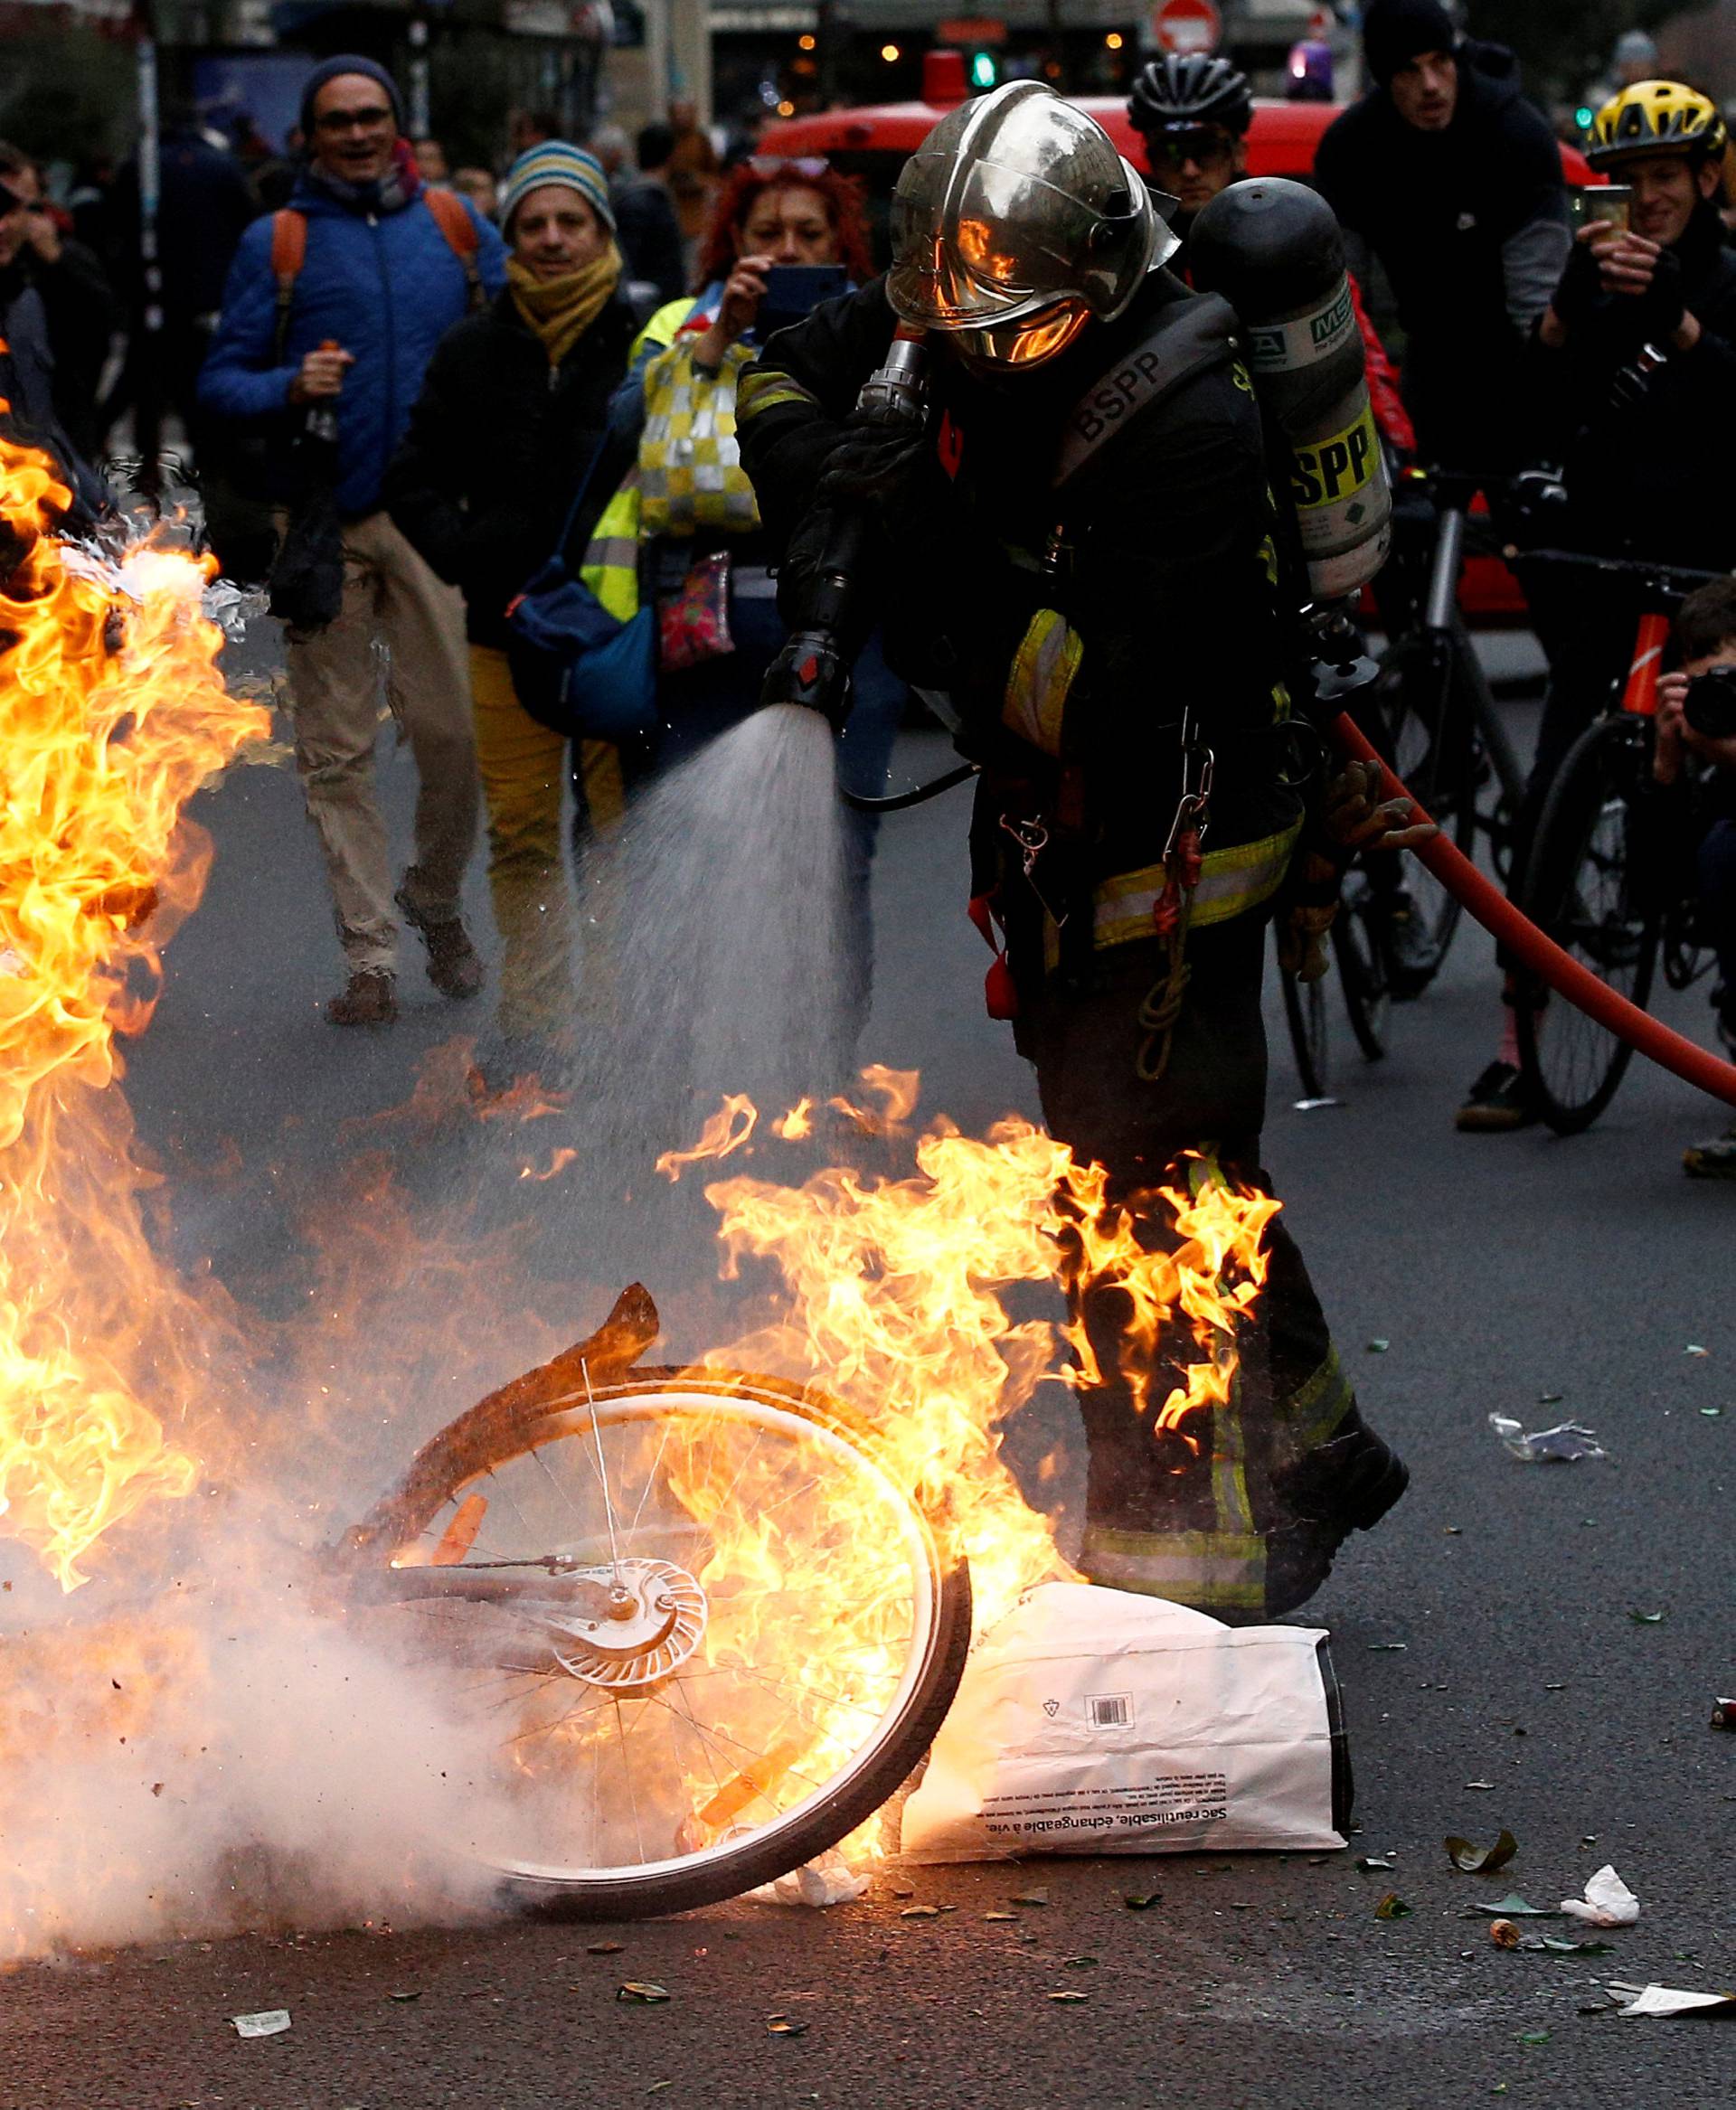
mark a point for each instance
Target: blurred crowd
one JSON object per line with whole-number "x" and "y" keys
{"x": 473, "y": 424}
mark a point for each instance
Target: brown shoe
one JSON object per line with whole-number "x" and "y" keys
{"x": 369, "y": 998}
{"x": 454, "y": 964}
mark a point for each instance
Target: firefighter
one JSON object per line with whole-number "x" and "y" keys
{"x": 1079, "y": 540}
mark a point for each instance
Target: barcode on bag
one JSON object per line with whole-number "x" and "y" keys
{"x": 1109, "y": 1711}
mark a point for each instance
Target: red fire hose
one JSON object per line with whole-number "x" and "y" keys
{"x": 1564, "y": 974}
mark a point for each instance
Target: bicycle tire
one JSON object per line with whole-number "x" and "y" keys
{"x": 1304, "y": 1013}
{"x": 502, "y": 1428}
{"x": 1580, "y": 889}
{"x": 1429, "y": 741}
{"x": 1361, "y": 974}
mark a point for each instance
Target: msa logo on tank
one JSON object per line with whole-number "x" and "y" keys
{"x": 1282, "y": 347}
{"x": 1331, "y": 471}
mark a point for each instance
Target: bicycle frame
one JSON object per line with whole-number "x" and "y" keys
{"x": 1452, "y": 652}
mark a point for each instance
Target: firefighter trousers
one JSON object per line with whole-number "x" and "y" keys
{"x": 1207, "y": 1522}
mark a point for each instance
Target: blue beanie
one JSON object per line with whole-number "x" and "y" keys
{"x": 555, "y": 162}
{"x": 332, "y": 70}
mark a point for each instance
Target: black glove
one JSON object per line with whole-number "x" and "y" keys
{"x": 1663, "y": 303}
{"x": 1580, "y": 292}
{"x": 878, "y": 468}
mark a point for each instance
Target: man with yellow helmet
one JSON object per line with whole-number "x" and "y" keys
{"x": 1637, "y": 378}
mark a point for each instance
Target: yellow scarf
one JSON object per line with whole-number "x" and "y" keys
{"x": 560, "y": 310}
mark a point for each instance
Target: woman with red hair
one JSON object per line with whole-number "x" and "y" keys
{"x": 700, "y": 542}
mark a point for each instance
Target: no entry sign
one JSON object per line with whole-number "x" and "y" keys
{"x": 1186, "y": 25}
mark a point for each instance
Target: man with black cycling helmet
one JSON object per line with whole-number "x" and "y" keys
{"x": 1635, "y": 364}
{"x": 1194, "y": 113}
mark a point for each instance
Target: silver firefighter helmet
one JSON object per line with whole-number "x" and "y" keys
{"x": 1015, "y": 222}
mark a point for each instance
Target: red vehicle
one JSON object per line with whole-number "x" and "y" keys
{"x": 873, "y": 142}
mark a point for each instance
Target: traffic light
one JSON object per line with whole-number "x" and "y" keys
{"x": 1582, "y": 117}
{"x": 984, "y": 70}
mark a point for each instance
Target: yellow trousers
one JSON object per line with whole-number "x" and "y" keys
{"x": 524, "y": 769}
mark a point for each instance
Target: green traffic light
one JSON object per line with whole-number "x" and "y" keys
{"x": 982, "y": 70}
{"x": 1582, "y": 118}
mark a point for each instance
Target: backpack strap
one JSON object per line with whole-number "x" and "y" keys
{"x": 454, "y": 221}
{"x": 288, "y": 253}
{"x": 1190, "y": 338}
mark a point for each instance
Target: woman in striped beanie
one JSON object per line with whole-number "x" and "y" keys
{"x": 515, "y": 403}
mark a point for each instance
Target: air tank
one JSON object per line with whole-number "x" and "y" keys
{"x": 1272, "y": 248}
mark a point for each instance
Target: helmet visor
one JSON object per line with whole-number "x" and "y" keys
{"x": 990, "y": 243}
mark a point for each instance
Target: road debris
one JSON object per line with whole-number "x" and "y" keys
{"x": 605, "y": 1948}
{"x": 1378, "y": 1346}
{"x": 781, "y": 2025}
{"x": 920, "y": 1912}
{"x": 1392, "y": 1906}
{"x": 1723, "y": 1714}
{"x": 641, "y": 1993}
{"x": 1645, "y": 1619}
{"x": 1670, "y": 1999}
{"x": 1480, "y": 1860}
{"x": 1608, "y": 1902}
{"x": 268, "y": 2023}
{"x": 1068, "y": 1998}
{"x": 829, "y": 1880}
{"x": 1505, "y": 1934}
{"x": 1564, "y": 1445}
{"x": 1512, "y": 1906}
{"x": 1032, "y": 1897}
{"x": 1140, "y": 1900}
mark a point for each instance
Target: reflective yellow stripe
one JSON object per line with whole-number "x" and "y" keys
{"x": 1314, "y": 1411}
{"x": 1232, "y": 881}
{"x": 1208, "y": 1569}
{"x": 761, "y": 391}
{"x": 1041, "y": 676}
{"x": 611, "y": 565}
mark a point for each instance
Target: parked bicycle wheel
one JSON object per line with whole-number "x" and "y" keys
{"x": 710, "y": 1629}
{"x": 1305, "y": 1012}
{"x": 1362, "y": 968}
{"x": 1428, "y": 738}
{"x": 1583, "y": 889}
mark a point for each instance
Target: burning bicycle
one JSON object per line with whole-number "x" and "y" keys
{"x": 716, "y": 1630}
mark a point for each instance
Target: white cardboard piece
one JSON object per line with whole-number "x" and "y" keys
{"x": 1098, "y": 1721}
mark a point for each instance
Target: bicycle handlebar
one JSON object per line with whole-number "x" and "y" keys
{"x": 1496, "y": 913}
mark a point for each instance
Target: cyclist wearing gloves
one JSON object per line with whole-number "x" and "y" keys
{"x": 1636, "y": 358}
{"x": 1448, "y": 176}
{"x": 1693, "y": 763}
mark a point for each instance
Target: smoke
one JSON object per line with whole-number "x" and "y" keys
{"x": 234, "y": 1756}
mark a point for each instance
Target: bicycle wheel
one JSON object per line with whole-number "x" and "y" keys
{"x": 1305, "y": 1012}
{"x": 1362, "y": 970}
{"x": 1429, "y": 741}
{"x": 1581, "y": 890}
{"x": 708, "y": 1626}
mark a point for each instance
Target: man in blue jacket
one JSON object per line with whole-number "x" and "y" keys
{"x": 379, "y": 278}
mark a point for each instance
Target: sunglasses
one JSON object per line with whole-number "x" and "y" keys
{"x": 1205, "y": 149}
{"x": 365, "y": 120}
{"x": 806, "y": 165}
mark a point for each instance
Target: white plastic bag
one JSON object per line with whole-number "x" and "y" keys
{"x": 1096, "y": 1722}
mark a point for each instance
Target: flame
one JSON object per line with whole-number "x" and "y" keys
{"x": 564, "y": 1156}
{"x": 899, "y": 1087}
{"x": 112, "y": 714}
{"x": 798, "y": 1125}
{"x": 727, "y": 1130}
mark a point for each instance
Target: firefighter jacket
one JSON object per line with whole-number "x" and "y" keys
{"x": 1162, "y": 595}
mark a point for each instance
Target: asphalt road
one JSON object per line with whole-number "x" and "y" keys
{"x": 1485, "y": 1634}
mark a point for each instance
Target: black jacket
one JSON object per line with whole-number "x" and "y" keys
{"x": 1650, "y": 470}
{"x": 649, "y": 235}
{"x": 82, "y": 313}
{"x": 496, "y": 445}
{"x": 1169, "y": 586}
{"x": 29, "y": 414}
{"x": 1470, "y": 226}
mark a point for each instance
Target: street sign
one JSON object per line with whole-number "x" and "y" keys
{"x": 1181, "y": 26}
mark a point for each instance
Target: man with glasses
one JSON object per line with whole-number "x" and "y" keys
{"x": 336, "y": 304}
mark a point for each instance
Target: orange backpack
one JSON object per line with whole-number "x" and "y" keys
{"x": 289, "y": 251}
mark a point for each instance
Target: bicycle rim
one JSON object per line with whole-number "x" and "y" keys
{"x": 1362, "y": 972}
{"x": 1305, "y": 1012}
{"x": 1582, "y": 890}
{"x": 1429, "y": 746}
{"x": 788, "y": 1645}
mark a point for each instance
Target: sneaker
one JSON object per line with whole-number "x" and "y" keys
{"x": 454, "y": 964}
{"x": 1715, "y": 1160}
{"x": 1497, "y": 1101}
{"x": 370, "y": 998}
{"x": 1407, "y": 946}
